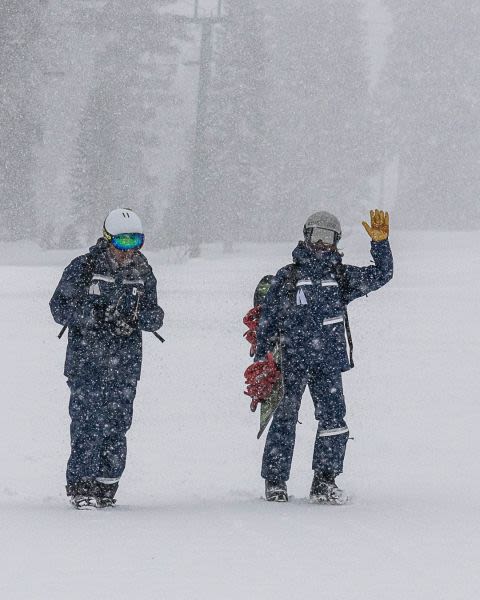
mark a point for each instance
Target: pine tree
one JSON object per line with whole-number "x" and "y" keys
{"x": 177, "y": 219}
{"x": 429, "y": 97}
{"x": 20, "y": 128}
{"x": 236, "y": 126}
{"x": 116, "y": 129}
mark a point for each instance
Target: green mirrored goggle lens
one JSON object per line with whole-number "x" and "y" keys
{"x": 128, "y": 241}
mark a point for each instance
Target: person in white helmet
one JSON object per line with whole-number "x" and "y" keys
{"x": 106, "y": 298}
{"x": 306, "y": 307}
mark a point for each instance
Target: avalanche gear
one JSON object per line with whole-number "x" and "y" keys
{"x": 121, "y": 220}
{"x": 276, "y": 491}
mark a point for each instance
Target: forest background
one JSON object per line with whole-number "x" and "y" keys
{"x": 339, "y": 104}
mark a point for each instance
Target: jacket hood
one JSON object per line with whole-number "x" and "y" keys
{"x": 99, "y": 248}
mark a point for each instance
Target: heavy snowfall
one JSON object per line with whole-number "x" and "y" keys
{"x": 224, "y": 125}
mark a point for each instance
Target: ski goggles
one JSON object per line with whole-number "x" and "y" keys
{"x": 128, "y": 241}
{"x": 314, "y": 235}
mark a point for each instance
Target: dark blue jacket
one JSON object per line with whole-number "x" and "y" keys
{"x": 306, "y": 303}
{"x": 91, "y": 283}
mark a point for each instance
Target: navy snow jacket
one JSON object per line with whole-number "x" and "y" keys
{"x": 91, "y": 283}
{"x": 306, "y": 305}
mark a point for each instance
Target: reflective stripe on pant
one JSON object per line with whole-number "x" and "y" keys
{"x": 327, "y": 393}
{"x": 101, "y": 416}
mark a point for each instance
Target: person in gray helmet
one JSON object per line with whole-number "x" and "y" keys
{"x": 306, "y": 307}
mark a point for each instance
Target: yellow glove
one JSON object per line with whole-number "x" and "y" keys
{"x": 379, "y": 228}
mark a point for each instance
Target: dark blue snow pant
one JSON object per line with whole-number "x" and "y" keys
{"x": 101, "y": 413}
{"x": 332, "y": 435}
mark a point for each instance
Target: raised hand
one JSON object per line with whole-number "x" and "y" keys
{"x": 379, "y": 227}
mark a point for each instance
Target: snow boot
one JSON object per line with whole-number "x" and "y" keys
{"x": 81, "y": 495}
{"x": 104, "y": 494}
{"x": 105, "y": 502}
{"x": 276, "y": 491}
{"x": 324, "y": 490}
{"x": 83, "y": 502}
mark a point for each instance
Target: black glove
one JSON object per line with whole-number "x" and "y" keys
{"x": 121, "y": 325}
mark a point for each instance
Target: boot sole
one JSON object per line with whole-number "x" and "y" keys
{"x": 277, "y": 499}
{"x": 88, "y": 507}
{"x": 330, "y": 501}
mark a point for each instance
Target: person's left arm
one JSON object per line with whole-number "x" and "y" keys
{"x": 150, "y": 317}
{"x": 360, "y": 281}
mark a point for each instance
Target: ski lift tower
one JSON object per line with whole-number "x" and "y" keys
{"x": 198, "y": 179}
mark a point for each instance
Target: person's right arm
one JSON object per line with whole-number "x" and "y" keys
{"x": 70, "y": 304}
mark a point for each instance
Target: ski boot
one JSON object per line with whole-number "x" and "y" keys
{"x": 81, "y": 496}
{"x": 324, "y": 490}
{"x": 276, "y": 491}
{"x": 104, "y": 494}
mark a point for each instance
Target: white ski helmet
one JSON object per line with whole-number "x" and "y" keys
{"x": 121, "y": 220}
{"x": 327, "y": 227}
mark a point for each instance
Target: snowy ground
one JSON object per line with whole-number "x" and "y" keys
{"x": 191, "y": 523}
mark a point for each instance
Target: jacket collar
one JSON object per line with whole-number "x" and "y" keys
{"x": 100, "y": 255}
{"x": 313, "y": 264}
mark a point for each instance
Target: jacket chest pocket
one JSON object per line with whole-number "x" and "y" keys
{"x": 330, "y": 297}
{"x": 322, "y": 295}
{"x": 131, "y": 295}
{"x": 133, "y": 288}
{"x": 101, "y": 285}
{"x": 304, "y": 292}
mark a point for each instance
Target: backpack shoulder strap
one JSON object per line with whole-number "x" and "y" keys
{"x": 291, "y": 280}
{"x": 343, "y": 284}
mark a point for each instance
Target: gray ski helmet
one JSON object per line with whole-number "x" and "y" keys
{"x": 327, "y": 226}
